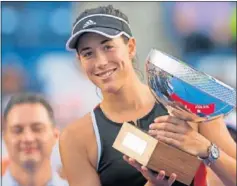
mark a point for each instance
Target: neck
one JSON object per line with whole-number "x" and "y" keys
{"x": 39, "y": 177}
{"x": 132, "y": 96}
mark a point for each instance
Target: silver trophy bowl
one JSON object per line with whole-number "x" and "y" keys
{"x": 187, "y": 91}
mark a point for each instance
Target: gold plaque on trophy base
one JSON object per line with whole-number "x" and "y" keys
{"x": 156, "y": 155}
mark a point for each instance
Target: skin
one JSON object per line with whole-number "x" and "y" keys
{"x": 98, "y": 54}
{"x": 30, "y": 136}
{"x": 213, "y": 179}
{"x": 177, "y": 131}
{"x": 126, "y": 101}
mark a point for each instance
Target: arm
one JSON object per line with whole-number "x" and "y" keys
{"x": 225, "y": 167}
{"x": 212, "y": 178}
{"x": 79, "y": 171}
{"x": 177, "y": 132}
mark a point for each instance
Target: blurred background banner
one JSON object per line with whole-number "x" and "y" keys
{"x": 33, "y": 58}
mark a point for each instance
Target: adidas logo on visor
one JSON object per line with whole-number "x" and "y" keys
{"x": 88, "y": 23}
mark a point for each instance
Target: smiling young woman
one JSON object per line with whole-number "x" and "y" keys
{"x": 105, "y": 48}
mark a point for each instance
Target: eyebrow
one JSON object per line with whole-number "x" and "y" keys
{"x": 105, "y": 41}
{"x": 36, "y": 124}
{"x": 16, "y": 125}
{"x": 22, "y": 125}
{"x": 88, "y": 48}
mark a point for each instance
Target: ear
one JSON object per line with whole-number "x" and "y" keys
{"x": 56, "y": 133}
{"x": 132, "y": 48}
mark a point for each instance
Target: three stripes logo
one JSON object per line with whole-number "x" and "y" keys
{"x": 89, "y": 23}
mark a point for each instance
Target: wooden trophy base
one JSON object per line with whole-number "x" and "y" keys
{"x": 156, "y": 155}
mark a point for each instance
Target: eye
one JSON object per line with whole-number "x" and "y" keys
{"x": 87, "y": 54}
{"x": 38, "y": 128}
{"x": 108, "y": 47}
{"x": 17, "y": 130}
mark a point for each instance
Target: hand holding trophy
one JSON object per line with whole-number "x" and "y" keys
{"x": 190, "y": 97}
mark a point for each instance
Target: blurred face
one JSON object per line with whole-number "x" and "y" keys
{"x": 29, "y": 134}
{"x": 107, "y": 62}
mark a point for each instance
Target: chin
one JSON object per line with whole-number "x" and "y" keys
{"x": 111, "y": 89}
{"x": 30, "y": 165}
{"x": 30, "y": 158}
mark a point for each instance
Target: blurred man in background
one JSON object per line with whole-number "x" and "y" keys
{"x": 29, "y": 133}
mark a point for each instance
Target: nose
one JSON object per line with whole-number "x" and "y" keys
{"x": 28, "y": 136}
{"x": 101, "y": 59}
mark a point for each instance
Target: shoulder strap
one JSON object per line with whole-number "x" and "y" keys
{"x": 97, "y": 135}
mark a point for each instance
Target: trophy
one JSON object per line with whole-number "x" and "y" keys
{"x": 192, "y": 93}
{"x": 184, "y": 91}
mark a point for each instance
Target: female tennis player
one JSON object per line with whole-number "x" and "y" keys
{"x": 106, "y": 48}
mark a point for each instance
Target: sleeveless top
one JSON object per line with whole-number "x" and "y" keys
{"x": 111, "y": 168}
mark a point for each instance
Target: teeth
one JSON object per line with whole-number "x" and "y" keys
{"x": 107, "y": 74}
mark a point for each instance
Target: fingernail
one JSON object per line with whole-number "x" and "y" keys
{"x": 143, "y": 169}
{"x": 151, "y": 126}
{"x": 173, "y": 175}
{"x": 149, "y": 131}
{"x": 156, "y": 120}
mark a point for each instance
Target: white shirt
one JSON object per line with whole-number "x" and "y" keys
{"x": 56, "y": 180}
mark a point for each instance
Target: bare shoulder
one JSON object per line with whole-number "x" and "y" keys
{"x": 80, "y": 136}
{"x": 78, "y": 151}
{"x": 78, "y": 130}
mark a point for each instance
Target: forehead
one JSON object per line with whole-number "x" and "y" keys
{"x": 28, "y": 113}
{"x": 94, "y": 39}
{"x": 88, "y": 38}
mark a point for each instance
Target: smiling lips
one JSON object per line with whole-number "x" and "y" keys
{"x": 29, "y": 150}
{"x": 106, "y": 74}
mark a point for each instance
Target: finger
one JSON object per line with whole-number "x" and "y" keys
{"x": 129, "y": 160}
{"x": 169, "y": 141}
{"x": 168, "y": 127}
{"x": 172, "y": 135}
{"x": 161, "y": 175}
{"x": 152, "y": 132}
{"x": 150, "y": 176}
{"x": 125, "y": 157}
{"x": 172, "y": 179}
{"x": 133, "y": 163}
{"x": 183, "y": 114}
{"x": 170, "y": 119}
{"x": 179, "y": 106}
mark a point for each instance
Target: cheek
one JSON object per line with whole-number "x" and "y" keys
{"x": 13, "y": 147}
{"x": 87, "y": 69}
{"x": 48, "y": 138}
{"x": 12, "y": 141}
{"x": 123, "y": 56}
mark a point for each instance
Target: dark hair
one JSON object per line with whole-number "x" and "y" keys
{"x": 31, "y": 98}
{"x": 102, "y": 10}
